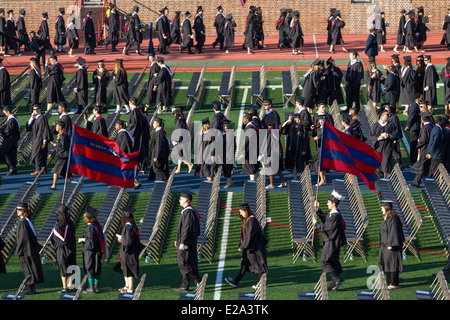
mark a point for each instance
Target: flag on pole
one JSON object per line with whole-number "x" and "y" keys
{"x": 243, "y": 3}
{"x": 99, "y": 159}
{"x": 344, "y": 153}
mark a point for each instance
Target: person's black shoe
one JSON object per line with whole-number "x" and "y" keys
{"x": 64, "y": 290}
{"x": 12, "y": 173}
{"x": 337, "y": 285}
{"x": 231, "y": 282}
{"x": 181, "y": 289}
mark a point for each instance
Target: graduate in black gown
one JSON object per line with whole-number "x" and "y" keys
{"x": 280, "y": 25}
{"x": 100, "y": 79}
{"x": 421, "y": 28}
{"x": 138, "y": 25}
{"x": 42, "y": 136}
{"x": 391, "y": 245}
{"x": 401, "y": 31}
{"x": 316, "y": 134}
{"x": 249, "y": 152}
{"x": 296, "y": 33}
{"x": 2, "y": 29}
{"x": 207, "y": 166}
{"x": 93, "y": 241}
{"x": 35, "y": 80}
{"x": 374, "y": 78}
{"x": 113, "y": 27}
{"x": 200, "y": 32}
{"x": 159, "y": 167}
{"x": 391, "y": 90}
{"x": 420, "y": 73}
{"x": 229, "y": 151}
{"x": 88, "y": 27}
{"x": 422, "y": 165}
{"x": 354, "y": 78}
{"x": 430, "y": 80}
{"x": 297, "y": 144}
{"x": 130, "y": 248}
{"x": 188, "y": 231}
{"x": 27, "y": 248}
{"x": 163, "y": 85}
{"x": 333, "y": 79}
{"x": 60, "y": 31}
{"x": 218, "y": 117}
{"x": 10, "y": 131}
{"x": 98, "y": 126}
{"x": 445, "y": 77}
{"x": 396, "y": 153}
{"x": 66, "y": 120}
{"x": 10, "y": 29}
{"x": 132, "y": 36}
{"x": 252, "y": 245}
{"x": 186, "y": 33}
{"x": 120, "y": 88}
{"x": 2, "y": 261}
{"x": 382, "y": 136}
{"x": 250, "y": 33}
{"x": 65, "y": 244}
{"x": 407, "y": 82}
{"x": 5, "y": 86}
{"x": 175, "y": 29}
{"x": 219, "y": 22}
{"x": 61, "y": 153}
{"x": 314, "y": 85}
{"x": 337, "y": 23}
{"x": 22, "y": 30}
{"x": 410, "y": 33}
{"x": 413, "y": 126}
{"x": 138, "y": 127}
{"x": 151, "y": 84}
{"x": 81, "y": 85}
{"x": 56, "y": 79}
{"x": 124, "y": 139}
{"x": 44, "y": 33}
{"x": 229, "y": 30}
{"x": 72, "y": 35}
{"x": 333, "y": 234}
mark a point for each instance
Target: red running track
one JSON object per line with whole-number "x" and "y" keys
{"x": 314, "y": 47}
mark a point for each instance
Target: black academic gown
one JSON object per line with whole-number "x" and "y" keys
{"x": 430, "y": 80}
{"x": 113, "y": 29}
{"x": 164, "y": 87}
{"x": 100, "y": 86}
{"x": 82, "y": 86}
{"x": 391, "y": 89}
{"x": 253, "y": 247}
{"x": 63, "y": 239}
{"x": 93, "y": 250}
{"x": 88, "y": 28}
{"x": 2, "y": 261}
{"x": 2, "y": 29}
{"x": 60, "y": 31}
{"x": 407, "y": 86}
{"x": 296, "y": 33}
{"x": 55, "y": 83}
{"x": 41, "y": 131}
{"x": 163, "y": 34}
{"x": 373, "y": 85}
{"x": 199, "y": 29}
{"x": 10, "y": 132}
{"x": 72, "y": 35}
{"x": 67, "y": 124}
{"x": 391, "y": 235}
{"x": 22, "y": 30}
{"x": 186, "y": 31}
{"x": 297, "y": 144}
{"x": 282, "y": 35}
{"x": 5, "y": 88}
{"x": 333, "y": 85}
{"x": 445, "y": 77}
{"x": 422, "y": 164}
{"x": 136, "y": 124}
{"x": 160, "y": 147}
{"x": 335, "y": 31}
{"x": 217, "y": 121}
{"x": 310, "y": 88}
{"x": 420, "y": 74}
{"x": 129, "y": 251}
{"x": 188, "y": 231}
{"x": 401, "y": 31}
{"x": 35, "y": 81}
{"x": 250, "y": 32}
{"x": 175, "y": 32}
{"x": 27, "y": 249}
{"x": 410, "y": 34}
{"x": 333, "y": 237}
{"x": 206, "y": 168}
{"x": 10, "y": 30}
{"x": 250, "y": 149}
{"x": 219, "y": 22}
{"x": 61, "y": 151}
{"x": 125, "y": 141}
{"x": 228, "y": 34}
{"x": 151, "y": 94}
{"x": 120, "y": 88}
{"x": 98, "y": 126}
{"x": 227, "y": 168}
{"x": 385, "y": 147}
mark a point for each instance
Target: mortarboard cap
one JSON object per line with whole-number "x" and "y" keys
{"x": 296, "y": 13}
{"x": 159, "y": 120}
{"x": 227, "y": 121}
{"x": 355, "y": 53}
{"x": 332, "y": 10}
{"x": 420, "y": 57}
{"x": 407, "y": 58}
{"x": 297, "y": 115}
{"x": 80, "y": 60}
{"x": 417, "y": 95}
{"x": 244, "y": 206}
{"x": 205, "y": 121}
{"x": 387, "y": 203}
{"x": 2, "y": 10}
{"x": 92, "y": 212}
{"x": 89, "y": 11}
{"x": 44, "y": 14}
{"x": 229, "y": 16}
{"x": 336, "y": 195}
{"x": 177, "y": 12}
{"x": 403, "y": 11}
{"x": 22, "y": 205}
{"x": 136, "y": 9}
{"x": 10, "y": 11}
{"x": 120, "y": 122}
{"x": 289, "y": 10}
{"x": 426, "y": 116}
{"x": 283, "y": 10}
{"x": 127, "y": 211}
{"x": 62, "y": 10}
{"x": 428, "y": 57}
{"x": 186, "y": 194}
{"x": 160, "y": 59}
{"x": 299, "y": 99}
{"x": 22, "y": 11}
{"x": 6, "y": 108}
{"x": 62, "y": 209}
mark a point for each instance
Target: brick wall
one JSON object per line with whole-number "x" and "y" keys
{"x": 313, "y": 13}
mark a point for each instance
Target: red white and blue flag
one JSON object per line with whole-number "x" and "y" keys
{"x": 345, "y": 153}
{"x": 99, "y": 159}
{"x": 243, "y": 3}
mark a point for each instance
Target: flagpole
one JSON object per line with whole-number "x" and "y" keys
{"x": 68, "y": 164}
{"x": 318, "y": 175}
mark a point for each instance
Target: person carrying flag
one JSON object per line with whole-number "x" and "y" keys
{"x": 93, "y": 242}
{"x": 333, "y": 233}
